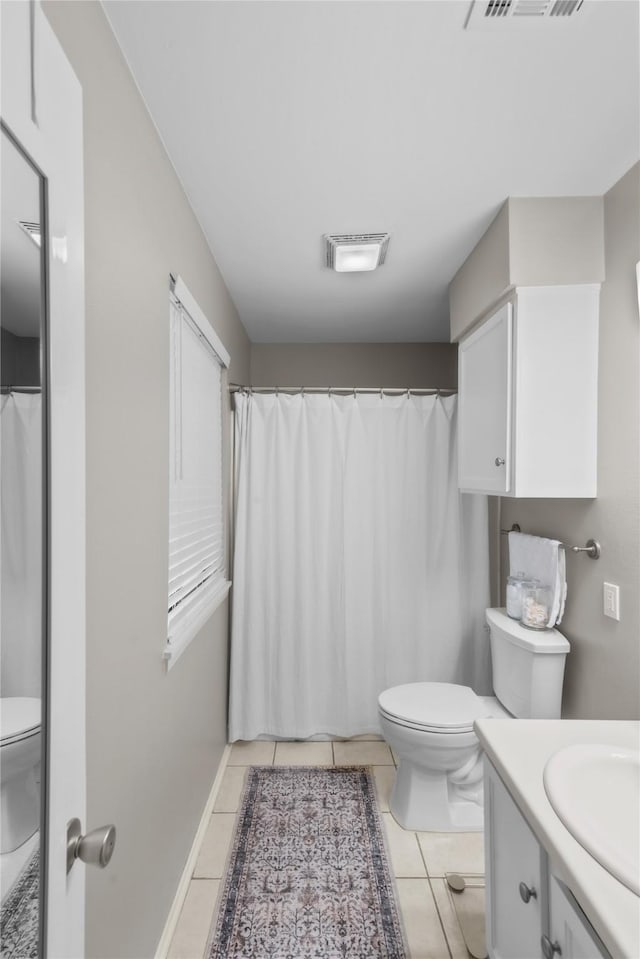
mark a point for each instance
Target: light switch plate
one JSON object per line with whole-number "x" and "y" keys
{"x": 611, "y": 600}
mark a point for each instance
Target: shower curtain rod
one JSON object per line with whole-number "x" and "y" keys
{"x": 20, "y": 389}
{"x": 237, "y": 388}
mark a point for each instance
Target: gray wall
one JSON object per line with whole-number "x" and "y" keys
{"x": 533, "y": 241}
{"x": 603, "y": 668}
{"x": 355, "y": 364}
{"x": 154, "y": 740}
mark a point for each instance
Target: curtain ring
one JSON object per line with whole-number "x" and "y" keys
{"x": 381, "y": 393}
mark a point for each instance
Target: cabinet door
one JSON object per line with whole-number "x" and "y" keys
{"x": 515, "y": 865}
{"x": 484, "y": 396}
{"x": 570, "y": 935}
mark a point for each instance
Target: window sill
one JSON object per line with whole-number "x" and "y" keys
{"x": 188, "y": 630}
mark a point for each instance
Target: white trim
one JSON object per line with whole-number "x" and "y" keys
{"x": 187, "y": 873}
{"x": 36, "y": 73}
{"x": 192, "y": 623}
{"x": 184, "y": 296}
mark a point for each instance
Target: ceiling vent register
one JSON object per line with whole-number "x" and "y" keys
{"x": 487, "y": 12}
{"x": 355, "y": 252}
{"x": 32, "y": 230}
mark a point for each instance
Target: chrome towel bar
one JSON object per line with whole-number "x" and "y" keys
{"x": 592, "y": 549}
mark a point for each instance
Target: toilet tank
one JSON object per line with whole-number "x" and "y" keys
{"x": 528, "y": 667}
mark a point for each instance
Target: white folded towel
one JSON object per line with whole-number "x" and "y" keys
{"x": 541, "y": 559}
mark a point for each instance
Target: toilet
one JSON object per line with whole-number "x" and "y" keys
{"x": 429, "y": 726}
{"x": 20, "y": 754}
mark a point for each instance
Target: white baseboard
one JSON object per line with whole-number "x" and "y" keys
{"x": 183, "y": 886}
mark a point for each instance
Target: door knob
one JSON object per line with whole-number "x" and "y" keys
{"x": 94, "y": 849}
{"x": 499, "y": 461}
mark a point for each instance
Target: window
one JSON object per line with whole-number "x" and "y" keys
{"x": 197, "y": 573}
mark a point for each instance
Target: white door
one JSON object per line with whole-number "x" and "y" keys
{"x": 41, "y": 108}
{"x": 484, "y": 398}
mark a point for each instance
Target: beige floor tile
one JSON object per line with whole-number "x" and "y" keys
{"x": 228, "y": 798}
{"x": 190, "y": 938}
{"x": 365, "y": 738}
{"x": 452, "y": 852}
{"x": 303, "y": 754}
{"x": 215, "y": 847}
{"x": 385, "y": 777}
{"x": 453, "y": 932}
{"x": 425, "y": 937}
{"x": 406, "y": 860}
{"x": 255, "y": 753}
{"x": 362, "y": 754}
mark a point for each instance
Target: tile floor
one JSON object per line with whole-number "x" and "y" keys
{"x": 418, "y": 860}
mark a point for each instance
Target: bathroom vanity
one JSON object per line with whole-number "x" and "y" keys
{"x": 546, "y": 895}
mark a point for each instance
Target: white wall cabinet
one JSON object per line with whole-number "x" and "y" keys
{"x": 528, "y": 390}
{"x": 530, "y": 914}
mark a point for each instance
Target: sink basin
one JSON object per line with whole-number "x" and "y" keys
{"x": 595, "y": 791}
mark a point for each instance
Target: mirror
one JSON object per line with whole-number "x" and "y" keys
{"x": 23, "y": 578}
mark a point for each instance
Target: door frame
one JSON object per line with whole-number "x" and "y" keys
{"x": 41, "y": 107}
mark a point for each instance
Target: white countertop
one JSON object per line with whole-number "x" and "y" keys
{"x": 519, "y": 750}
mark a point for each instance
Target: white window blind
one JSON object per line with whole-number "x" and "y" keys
{"x": 197, "y": 572}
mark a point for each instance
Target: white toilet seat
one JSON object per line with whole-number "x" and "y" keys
{"x": 21, "y": 755}
{"x": 20, "y": 718}
{"x": 433, "y": 707}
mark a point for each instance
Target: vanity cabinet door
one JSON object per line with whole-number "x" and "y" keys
{"x": 515, "y": 865}
{"x": 570, "y": 935}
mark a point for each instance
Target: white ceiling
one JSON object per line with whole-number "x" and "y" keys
{"x": 288, "y": 120}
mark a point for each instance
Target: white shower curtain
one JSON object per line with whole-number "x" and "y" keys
{"x": 20, "y": 544}
{"x": 358, "y": 565}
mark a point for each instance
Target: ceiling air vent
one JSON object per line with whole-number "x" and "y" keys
{"x": 485, "y": 13}
{"x": 31, "y": 229}
{"x": 355, "y": 252}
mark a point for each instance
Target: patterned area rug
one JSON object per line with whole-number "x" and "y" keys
{"x": 19, "y": 917}
{"x": 308, "y": 876}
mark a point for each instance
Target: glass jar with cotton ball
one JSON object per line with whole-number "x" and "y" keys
{"x": 516, "y": 585}
{"x": 536, "y": 607}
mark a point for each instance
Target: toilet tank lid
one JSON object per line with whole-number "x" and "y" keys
{"x": 535, "y": 640}
{"x": 18, "y": 714}
{"x": 434, "y": 705}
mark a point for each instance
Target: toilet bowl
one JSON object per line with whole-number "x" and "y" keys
{"x": 20, "y": 754}
{"x": 429, "y": 726}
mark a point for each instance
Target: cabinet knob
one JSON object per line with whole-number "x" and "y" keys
{"x": 499, "y": 461}
{"x": 527, "y": 892}
{"x": 550, "y": 949}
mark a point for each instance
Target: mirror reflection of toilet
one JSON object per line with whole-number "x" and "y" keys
{"x": 20, "y": 754}
{"x": 429, "y": 726}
